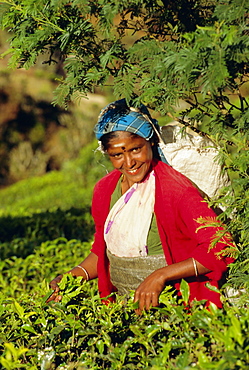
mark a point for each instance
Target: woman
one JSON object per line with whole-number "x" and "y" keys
{"x": 145, "y": 214}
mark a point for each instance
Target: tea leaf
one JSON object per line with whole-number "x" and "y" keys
{"x": 185, "y": 291}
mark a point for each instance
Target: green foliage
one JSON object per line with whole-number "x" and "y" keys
{"x": 55, "y": 205}
{"x": 42, "y": 193}
{"x": 20, "y": 235}
{"x": 71, "y": 187}
{"x": 80, "y": 332}
{"x": 25, "y": 274}
{"x": 93, "y": 36}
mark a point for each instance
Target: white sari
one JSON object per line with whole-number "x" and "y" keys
{"x": 128, "y": 222}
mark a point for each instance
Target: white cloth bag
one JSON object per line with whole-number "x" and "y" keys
{"x": 195, "y": 156}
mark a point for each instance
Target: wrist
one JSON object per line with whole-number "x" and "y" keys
{"x": 163, "y": 277}
{"x": 81, "y": 271}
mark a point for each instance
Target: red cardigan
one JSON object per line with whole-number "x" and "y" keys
{"x": 178, "y": 205}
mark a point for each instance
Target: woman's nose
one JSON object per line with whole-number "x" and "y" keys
{"x": 129, "y": 161}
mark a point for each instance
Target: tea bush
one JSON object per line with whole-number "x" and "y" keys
{"x": 55, "y": 205}
{"x": 82, "y": 333}
{"x": 20, "y": 235}
{"x": 71, "y": 187}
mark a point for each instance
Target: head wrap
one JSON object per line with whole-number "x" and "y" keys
{"x": 117, "y": 116}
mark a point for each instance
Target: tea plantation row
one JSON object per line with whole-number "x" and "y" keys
{"x": 82, "y": 333}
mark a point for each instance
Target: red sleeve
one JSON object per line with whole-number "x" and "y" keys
{"x": 192, "y": 208}
{"x": 100, "y": 209}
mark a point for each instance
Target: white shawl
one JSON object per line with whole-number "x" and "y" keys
{"x": 128, "y": 222}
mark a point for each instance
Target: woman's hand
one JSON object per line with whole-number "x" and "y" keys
{"x": 148, "y": 292}
{"x": 89, "y": 264}
{"x": 54, "y": 285}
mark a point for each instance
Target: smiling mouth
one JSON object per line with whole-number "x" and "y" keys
{"x": 133, "y": 172}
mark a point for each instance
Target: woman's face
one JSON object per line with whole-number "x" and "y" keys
{"x": 131, "y": 155}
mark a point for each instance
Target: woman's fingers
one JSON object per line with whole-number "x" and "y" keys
{"x": 146, "y": 301}
{"x": 140, "y": 298}
{"x": 151, "y": 300}
{"x": 58, "y": 298}
{"x": 52, "y": 297}
{"x": 54, "y": 285}
{"x": 155, "y": 299}
{"x": 148, "y": 292}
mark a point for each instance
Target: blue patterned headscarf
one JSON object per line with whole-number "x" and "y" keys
{"x": 117, "y": 116}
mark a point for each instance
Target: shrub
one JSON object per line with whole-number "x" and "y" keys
{"x": 55, "y": 205}
{"x": 20, "y": 235}
{"x": 82, "y": 333}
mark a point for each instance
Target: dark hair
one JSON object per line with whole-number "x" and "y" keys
{"x": 105, "y": 141}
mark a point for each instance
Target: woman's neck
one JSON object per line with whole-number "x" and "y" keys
{"x": 125, "y": 184}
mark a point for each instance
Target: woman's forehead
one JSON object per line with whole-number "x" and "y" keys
{"x": 126, "y": 138}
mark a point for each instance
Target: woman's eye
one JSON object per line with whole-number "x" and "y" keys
{"x": 136, "y": 150}
{"x": 116, "y": 156}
